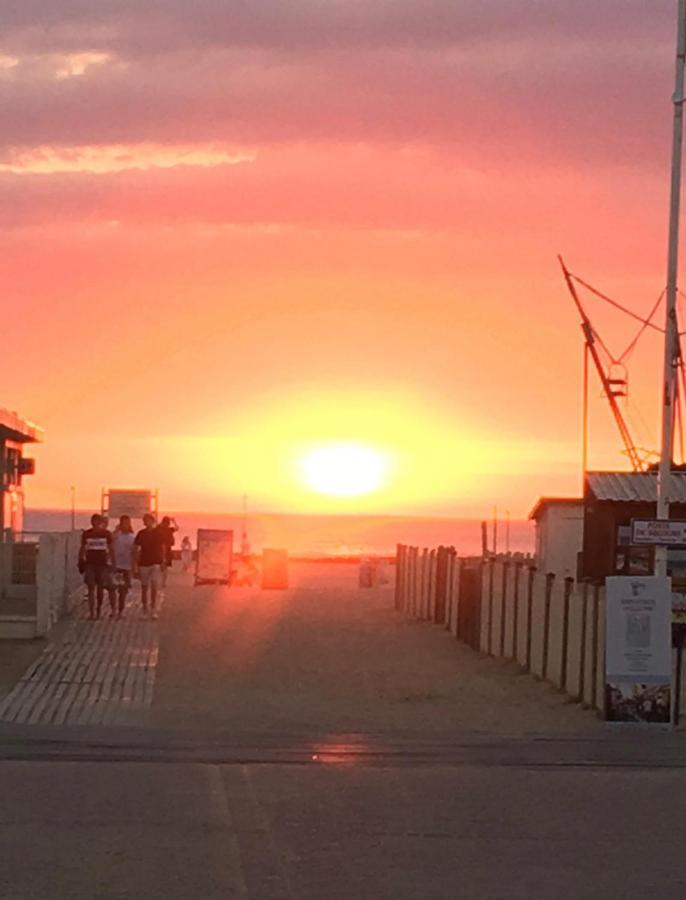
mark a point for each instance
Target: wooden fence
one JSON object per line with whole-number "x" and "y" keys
{"x": 552, "y": 627}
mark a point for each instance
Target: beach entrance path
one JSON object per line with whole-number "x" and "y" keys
{"x": 326, "y": 656}
{"x": 322, "y": 657}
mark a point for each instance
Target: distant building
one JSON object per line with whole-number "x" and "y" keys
{"x": 15, "y": 433}
{"x": 559, "y": 534}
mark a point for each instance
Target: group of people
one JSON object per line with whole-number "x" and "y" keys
{"x": 109, "y": 560}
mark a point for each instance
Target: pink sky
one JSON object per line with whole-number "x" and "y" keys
{"x": 221, "y": 221}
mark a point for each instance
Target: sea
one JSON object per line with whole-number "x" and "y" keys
{"x": 317, "y": 536}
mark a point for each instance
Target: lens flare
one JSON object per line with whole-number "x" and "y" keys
{"x": 344, "y": 470}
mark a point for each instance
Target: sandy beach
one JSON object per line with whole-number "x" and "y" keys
{"x": 325, "y": 655}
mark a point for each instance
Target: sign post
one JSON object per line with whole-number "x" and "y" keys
{"x": 133, "y": 503}
{"x": 214, "y": 556}
{"x": 638, "y": 649}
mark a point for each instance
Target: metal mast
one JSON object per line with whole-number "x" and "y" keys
{"x": 589, "y": 336}
{"x": 671, "y": 355}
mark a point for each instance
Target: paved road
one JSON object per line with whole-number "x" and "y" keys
{"x": 331, "y": 830}
{"x": 310, "y": 745}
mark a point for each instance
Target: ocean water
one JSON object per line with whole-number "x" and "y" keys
{"x": 322, "y": 536}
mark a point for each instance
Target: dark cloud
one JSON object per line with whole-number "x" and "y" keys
{"x": 503, "y": 86}
{"x": 139, "y": 28}
{"x": 549, "y": 104}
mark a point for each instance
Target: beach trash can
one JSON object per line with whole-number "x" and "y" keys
{"x": 274, "y": 569}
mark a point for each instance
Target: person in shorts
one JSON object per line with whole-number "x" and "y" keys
{"x": 95, "y": 561}
{"x": 122, "y": 553}
{"x": 167, "y": 529}
{"x": 148, "y": 560}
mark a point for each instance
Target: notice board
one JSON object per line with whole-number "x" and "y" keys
{"x": 214, "y": 556}
{"x": 129, "y": 503}
{"x": 638, "y": 649}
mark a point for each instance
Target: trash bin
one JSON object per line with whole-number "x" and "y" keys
{"x": 275, "y": 569}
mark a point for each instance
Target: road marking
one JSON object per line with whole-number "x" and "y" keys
{"x": 226, "y": 855}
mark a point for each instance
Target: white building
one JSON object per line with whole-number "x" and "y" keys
{"x": 14, "y": 434}
{"x": 559, "y": 534}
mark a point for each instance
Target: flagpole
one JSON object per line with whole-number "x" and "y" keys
{"x": 671, "y": 336}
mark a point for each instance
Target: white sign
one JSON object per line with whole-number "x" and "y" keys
{"x": 660, "y": 532}
{"x": 214, "y": 556}
{"x": 638, "y": 648}
{"x": 129, "y": 503}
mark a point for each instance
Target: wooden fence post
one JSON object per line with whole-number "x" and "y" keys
{"x": 441, "y": 586}
{"x": 503, "y": 607}
{"x": 491, "y": 576}
{"x": 454, "y": 582}
{"x": 397, "y": 598}
{"x": 529, "y": 616}
{"x": 582, "y": 657}
{"x": 515, "y": 609}
{"x": 595, "y": 631}
{"x": 430, "y": 610}
{"x": 549, "y": 580}
{"x": 569, "y": 584}
{"x": 423, "y": 583}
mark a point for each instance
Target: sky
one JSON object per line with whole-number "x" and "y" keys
{"x": 238, "y": 233}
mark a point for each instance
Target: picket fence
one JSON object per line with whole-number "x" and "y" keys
{"x": 552, "y": 627}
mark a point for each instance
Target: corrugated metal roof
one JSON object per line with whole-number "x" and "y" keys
{"x": 634, "y": 487}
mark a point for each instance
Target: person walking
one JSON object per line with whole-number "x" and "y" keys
{"x": 186, "y": 554}
{"x": 167, "y": 527}
{"x": 122, "y": 552}
{"x": 147, "y": 562}
{"x": 95, "y": 562}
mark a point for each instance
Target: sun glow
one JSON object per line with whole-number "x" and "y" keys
{"x": 344, "y": 470}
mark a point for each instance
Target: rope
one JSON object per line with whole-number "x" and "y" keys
{"x": 646, "y": 322}
{"x": 632, "y": 345}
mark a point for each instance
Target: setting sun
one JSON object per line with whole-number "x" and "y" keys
{"x": 344, "y": 470}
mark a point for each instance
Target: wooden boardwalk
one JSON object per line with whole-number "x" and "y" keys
{"x": 102, "y": 672}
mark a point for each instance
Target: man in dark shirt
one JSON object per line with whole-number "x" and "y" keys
{"x": 95, "y": 560}
{"x": 148, "y": 551}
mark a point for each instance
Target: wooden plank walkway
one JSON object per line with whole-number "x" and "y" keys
{"x": 102, "y": 672}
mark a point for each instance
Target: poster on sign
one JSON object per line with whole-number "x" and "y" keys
{"x": 638, "y": 654}
{"x": 214, "y": 556}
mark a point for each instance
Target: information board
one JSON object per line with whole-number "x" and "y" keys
{"x": 638, "y": 654}
{"x": 658, "y": 532}
{"x": 129, "y": 503}
{"x": 214, "y": 556}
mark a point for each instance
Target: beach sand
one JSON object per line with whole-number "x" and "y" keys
{"x": 326, "y": 656}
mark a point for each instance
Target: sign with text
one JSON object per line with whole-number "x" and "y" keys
{"x": 638, "y": 649}
{"x": 129, "y": 503}
{"x": 214, "y": 556}
{"x": 658, "y": 532}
